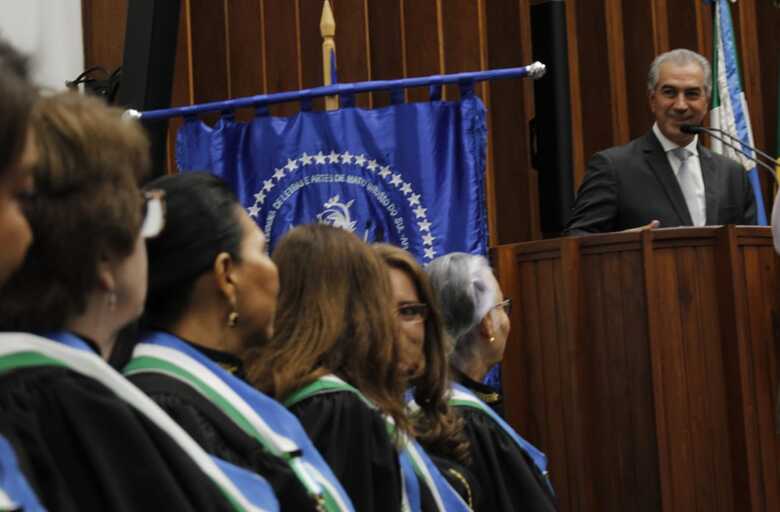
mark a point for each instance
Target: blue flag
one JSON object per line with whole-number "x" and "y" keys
{"x": 408, "y": 174}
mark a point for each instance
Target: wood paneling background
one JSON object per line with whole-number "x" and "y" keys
{"x": 234, "y": 48}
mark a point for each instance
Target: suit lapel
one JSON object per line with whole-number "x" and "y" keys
{"x": 656, "y": 159}
{"x": 710, "y": 185}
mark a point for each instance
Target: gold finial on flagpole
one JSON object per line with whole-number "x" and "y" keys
{"x": 328, "y": 32}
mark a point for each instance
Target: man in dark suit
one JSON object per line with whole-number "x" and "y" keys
{"x": 665, "y": 178}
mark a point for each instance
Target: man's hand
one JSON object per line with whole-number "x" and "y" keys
{"x": 651, "y": 225}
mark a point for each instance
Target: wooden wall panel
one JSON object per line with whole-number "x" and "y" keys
{"x": 281, "y": 51}
{"x": 103, "y": 25}
{"x": 512, "y": 188}
{"x": 593, "y": 54}
{"x": 640, "y": 50}
{"x": 385, "y": 27}
{"x": 423, "y": 42}
{"x": 244, "y": 47}
{"x": 352, "y": 44}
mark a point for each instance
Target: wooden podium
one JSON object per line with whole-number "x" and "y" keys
{"x": 646, "y": 366}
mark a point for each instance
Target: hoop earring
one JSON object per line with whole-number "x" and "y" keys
{"x": 232, "y": 319}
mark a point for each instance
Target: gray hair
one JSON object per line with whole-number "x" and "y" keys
{"x": 681, "y": 57}
{"x": 466, "y": 289}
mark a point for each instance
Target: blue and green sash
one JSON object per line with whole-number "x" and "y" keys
{"x": 461, "y": 396}
{"x": 23, "y": 350}
{"x": 259, "y": 416}
{"x": 415, "y": 464}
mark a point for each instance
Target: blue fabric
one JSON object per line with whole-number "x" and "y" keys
{"x": 69, "y": 339}
{"x": 254, "y": 487}
{"x": 735, "y": 90}
{"x": 539, "y": 458}
{"x": 493, "y": 377}
{"x": 408, "y": 174}
{"x": 275, "y": 415}
{"x": 411, "y": 483}
{"x": 13, "y": 482}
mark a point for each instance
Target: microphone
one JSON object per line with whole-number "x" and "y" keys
{"x": 694, "y": 129}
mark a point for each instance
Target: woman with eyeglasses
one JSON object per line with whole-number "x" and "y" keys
{"x": 212, "y": 296}
{"x": 333, "y": 360}
{"x": 16, "y": 103}
{"x": 424, "y": 361}
{"x": 86, "y": 438}
{"x": 512, "y": 472}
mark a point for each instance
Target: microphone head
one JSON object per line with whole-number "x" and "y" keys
{"x": 691, "y": 128}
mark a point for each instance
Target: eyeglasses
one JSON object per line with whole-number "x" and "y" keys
{"x": 506, "y": 304}
{"x": 413, "y": 313}
{"x": 152, "y": 213}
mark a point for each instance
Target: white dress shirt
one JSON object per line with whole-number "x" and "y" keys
{"x": 699, "y": 213}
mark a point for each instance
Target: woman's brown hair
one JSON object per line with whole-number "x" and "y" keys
{"x": 86, "y": 206}
{"x": 436, "y": 425}
{"x": 334, "y": 315}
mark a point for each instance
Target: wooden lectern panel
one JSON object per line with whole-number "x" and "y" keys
{"x": 646, "y": 366}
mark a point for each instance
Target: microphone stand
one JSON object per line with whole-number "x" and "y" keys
{"x": 694, "y": 129}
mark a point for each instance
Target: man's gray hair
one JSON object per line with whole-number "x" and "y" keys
{"x": 681, "y": 57}
{"x": 466, "y": 289}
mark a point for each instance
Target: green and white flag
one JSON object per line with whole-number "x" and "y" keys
{"x": 729, "y": 106}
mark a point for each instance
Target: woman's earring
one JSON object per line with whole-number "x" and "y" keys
{"x": 492, "y": 339}
{"x": 232, "y": 319}
{"x": 111, "y": 300}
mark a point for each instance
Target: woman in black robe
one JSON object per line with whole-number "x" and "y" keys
{"x": 334, "y": 361}
{"x": 332, "y": 319}
{"x": 85, "y": 438}
{"x": 424, "y": 363}
{"x": 512, "y": 472}
{"x": 212, "y": 295}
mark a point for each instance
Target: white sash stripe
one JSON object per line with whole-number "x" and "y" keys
{"x": 282, "y": 443}
{"x": 6, "y": 503}
{"x": 94, "y": 367}
{"x": 218, "y": 385}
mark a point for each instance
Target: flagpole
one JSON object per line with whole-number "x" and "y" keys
{"x": 328, "y": 32}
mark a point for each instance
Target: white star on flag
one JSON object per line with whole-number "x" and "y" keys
{"x": 360, "y": 160}
{"x": 414, "y": 199}
{"x": 333, "y": 157}
{"x": 428, "y": 239}
{"x": 279, "y": 173}
{"x": 319, "y": 158}
{"x": 253, "y": 211}
{"x": 424, "y": 226}
{"x": 291, "y": 165}
{"x": 420, "y": 211}
{"x": 346, "y": 157}
{"x": 406, "y": 188}
{"x": 268, "y": 185}
{"x": 396, "y": 180}
{"x": 372, "y": 165}
{"x": 259, "y": 197}
{"x": 385, "y": 172}
{"x": 305, "y": 159}
{"x": 430, "y": 253}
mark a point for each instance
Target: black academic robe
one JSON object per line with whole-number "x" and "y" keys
{"x": 508, "y": 478}
{"x": 354, "y": 441}
{"x": 219, "y": 435}
{"x": 83, "y": 448}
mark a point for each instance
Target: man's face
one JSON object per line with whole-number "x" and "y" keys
{"x": 679, "y": 98}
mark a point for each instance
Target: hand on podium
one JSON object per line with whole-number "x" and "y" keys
{"x": 651, "y": 225}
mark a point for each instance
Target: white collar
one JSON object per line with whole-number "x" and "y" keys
{"x": 668, "y": 145}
